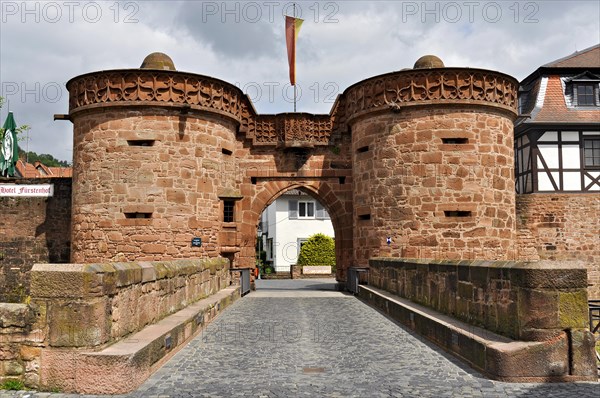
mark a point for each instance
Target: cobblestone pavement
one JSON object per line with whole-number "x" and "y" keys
{"x": 303, "y": 339}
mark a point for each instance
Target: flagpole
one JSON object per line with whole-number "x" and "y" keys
{"x": 294, "y": 63}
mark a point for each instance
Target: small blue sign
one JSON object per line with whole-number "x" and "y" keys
{"x": 389, "y": 240}
{"x": 196, "y": 242}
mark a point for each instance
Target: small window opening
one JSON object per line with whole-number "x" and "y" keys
{"x": 455, "y": 141}
{"x": 140, "y": 142}
{"x": 228, "y": 206}
{"x": 138, "y": 215}
{"x": 457, "y": 213}
{"x": 364, "y": 216}
{"x": 226, "y": 152}
{"x": 363, "y": 149}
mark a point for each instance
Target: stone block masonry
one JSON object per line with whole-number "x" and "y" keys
{"x": 32, "y": 230}
{"x": 513, "y": 303}
{"x": 77, "y": 307}
{"x": 422, "y": 156}
{"x": 563, "y": 227}
{"x": 431, "y": 198}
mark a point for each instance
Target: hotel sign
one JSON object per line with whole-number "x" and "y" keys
{"x": 39, "y": 190}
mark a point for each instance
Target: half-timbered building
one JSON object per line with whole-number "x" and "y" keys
{"x": 557, "y": 134}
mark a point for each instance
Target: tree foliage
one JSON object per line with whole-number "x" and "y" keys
{"x": 45, "y": 158}
{"x": 319, "y": 249}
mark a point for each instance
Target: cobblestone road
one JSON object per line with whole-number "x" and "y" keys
{"x": 303, "y": 339}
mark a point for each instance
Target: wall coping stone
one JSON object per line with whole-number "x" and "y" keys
{"x": 538, "y": 274}
{"x": 90, "y": 280}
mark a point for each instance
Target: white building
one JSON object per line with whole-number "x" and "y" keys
{"x": 287, "y": 223}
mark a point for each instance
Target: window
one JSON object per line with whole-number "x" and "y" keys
{"x": 321, "y": 213}
{"x": 140, "y": 142}
{"x": 591, "y": 150}
{"x": 586, "y": 94}
{"x": 228, "y": 206}
{"x": 138, "y": 215}
{"x": 306, "y": 209}
{"x": 455, "y": 141}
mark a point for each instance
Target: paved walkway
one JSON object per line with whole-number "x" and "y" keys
{"x": 304, "y": 339}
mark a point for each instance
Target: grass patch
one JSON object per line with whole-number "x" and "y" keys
{"x": 11, "y": 384}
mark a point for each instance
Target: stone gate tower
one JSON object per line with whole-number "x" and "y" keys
{"x": 415, "y": 163}
{"x": 432, "y": 170}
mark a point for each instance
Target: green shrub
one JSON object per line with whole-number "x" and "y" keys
{"x": 319, "y": 249}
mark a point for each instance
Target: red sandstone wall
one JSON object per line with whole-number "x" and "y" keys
{"x": 178, "y": 180}
{"x": 32, "y": 230}
{"x": 408, "y": 177}
{"x": 322, "y": 172}
{"x": 182, "y": 180}
{"x": 563, "y": 227}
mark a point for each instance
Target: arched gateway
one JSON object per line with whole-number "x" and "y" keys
{"x": 414, "y": 167}
{"x": 416, "y": 163}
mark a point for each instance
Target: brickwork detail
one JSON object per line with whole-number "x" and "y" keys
{"x": 410, "y": 87}
{"x": 33, "y": 230}
{"x": 563, "y": 227}
{"x": 504, "y": 297}
{"x": 75, "y": 306}
{"x": 432, "y": 199}
{"x": 206, "y": 144}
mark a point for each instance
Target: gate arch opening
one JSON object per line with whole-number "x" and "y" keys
{"x": 340, "y": 213}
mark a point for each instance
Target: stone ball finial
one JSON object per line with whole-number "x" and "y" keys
{"x": 428, "y": 62}
{"x": 158, "y": 61}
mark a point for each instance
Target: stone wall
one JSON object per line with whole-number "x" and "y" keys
{"x": 32, "y": 230}
{"x": 19, "y": 357}
{"x": 146, "y": 182}
{"x": 421, "y": 156}
{"x": 92, "y": 306}
{"x": 437, "y": 181}
{"x": 563, "y": 227}
{"x": 522, "y": 301}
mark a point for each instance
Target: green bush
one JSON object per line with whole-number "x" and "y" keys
{"x": 319, "y": 249}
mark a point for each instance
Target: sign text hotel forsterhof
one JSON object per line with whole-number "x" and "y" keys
{"x": 41, "y": 190}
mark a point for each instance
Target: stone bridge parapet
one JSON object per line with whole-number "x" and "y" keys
{"x": 527, "y": 321}
{"x": 85, "y": 310}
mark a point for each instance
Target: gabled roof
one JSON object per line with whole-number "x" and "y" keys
{"x": 39, "y": 170}
{"x": 588, "y": 58}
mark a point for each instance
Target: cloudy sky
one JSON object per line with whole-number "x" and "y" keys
{"x": 44, "y": 44}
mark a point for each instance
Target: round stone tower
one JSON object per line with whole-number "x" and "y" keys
{"x": 152, "y": 151}
{"x": 433, "y": 163}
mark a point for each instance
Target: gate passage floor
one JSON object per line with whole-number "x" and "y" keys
{"x": 303, "y": 338}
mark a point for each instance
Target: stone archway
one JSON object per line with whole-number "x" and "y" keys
{"x": 336, "y": 201}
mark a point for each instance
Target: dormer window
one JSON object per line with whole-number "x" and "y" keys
{"x": 586, "y": 93}
{"x": 582, "y": 90}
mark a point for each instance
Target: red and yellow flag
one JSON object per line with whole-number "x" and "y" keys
{"x": 292, "y": 28}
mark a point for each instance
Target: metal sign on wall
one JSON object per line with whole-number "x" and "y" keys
{"x": 31, "y": 190}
